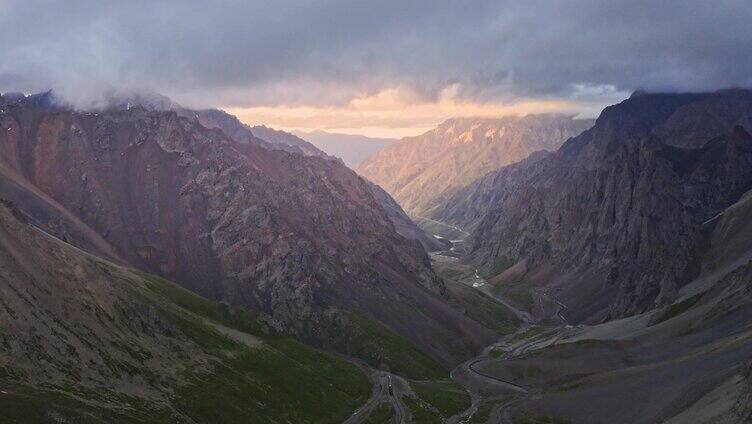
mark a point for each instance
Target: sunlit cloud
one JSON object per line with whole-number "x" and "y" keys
{"x": 399, "y": 112}
{"x": 388, "y": 65}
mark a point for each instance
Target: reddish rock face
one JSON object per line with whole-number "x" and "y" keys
{"x": 422, "y": 172}
{"x": 289, "y": 235}
{"x": 259, "y": 135}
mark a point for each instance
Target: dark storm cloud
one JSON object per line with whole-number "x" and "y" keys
{"x": 269, "y": 52}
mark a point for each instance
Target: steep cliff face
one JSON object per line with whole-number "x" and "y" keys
{"x": 272, "y": 139}
{"x": 283, "y": 138}
{"x": 617, "y": 213}
{"x": 422, "y": 172}
{"x": 293, "y": 236}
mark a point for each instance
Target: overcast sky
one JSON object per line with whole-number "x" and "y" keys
{"x": 378, "y": 67}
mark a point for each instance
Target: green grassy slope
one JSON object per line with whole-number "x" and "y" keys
{"x": 150, "y": 351}
{"x": 380, "y": 347}
{"x": 283, "y": 381}
{"x": 279, "y": 380}
{"x": 436, "y": 400}
{"x": 446, "y": 396}
{"x": 482, "y": 308}
{"x": 383, "y": 414}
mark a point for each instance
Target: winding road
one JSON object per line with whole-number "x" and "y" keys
{"x": 561, "y": 307}
{"x": 514, "y": 386}
{"x": 475, "y": 280}
{"x": 390, "y": 388}
{"x": 386, "y": 388}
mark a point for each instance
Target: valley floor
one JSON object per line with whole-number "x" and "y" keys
{"x": 493, "y": 395}
{"x": 665, "y": 365}
{"x": 490, "y": 397}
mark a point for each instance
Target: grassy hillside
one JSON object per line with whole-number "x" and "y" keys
{"x": 277, "y": 380}
{"x": 446, "y": 396}
{"x": 482, "y": 308}
{"x": 435, "y": 401}
{"x": 87, "y": 341}
{"x": 380, "y": 347}
{"x": 280, "y": 381}
{"x": 383, "y": 414}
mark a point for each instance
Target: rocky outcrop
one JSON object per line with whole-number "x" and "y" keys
{"x": 272, "y": 139}
{"x": 209, "y": 118}
{"x": 617, "y": 213}
{"x": 285, "y": 234}
{"x": 422, "y": 172}
{"x": 283, "y": 138}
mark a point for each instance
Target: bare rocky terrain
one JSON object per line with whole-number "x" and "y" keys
{"x": 301, "y": 239}
{"x": 617, "y": 217}
{"x": 272, "y": 139}
{"x": 422, "y": 172}
{"x": 687, "y": 362}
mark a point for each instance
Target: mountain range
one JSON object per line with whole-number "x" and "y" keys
{"x": 301, "y": 240}
{"x": 165, "y": 264}
{"x": 422, "y": 172}
{"x": 617, "y": 217}
{"x": 632, "y": 239}
{"x": 624, "y": 246}
{"x": 351, "y": 148}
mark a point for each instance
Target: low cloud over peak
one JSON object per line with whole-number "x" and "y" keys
{"x": 327, "y": 54}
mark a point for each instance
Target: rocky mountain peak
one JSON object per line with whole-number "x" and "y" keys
{"x": 422, "y": 172}
{"x": 616, "y": 213}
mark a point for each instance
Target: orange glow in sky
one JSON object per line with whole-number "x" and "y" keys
{"x": 392, "y": 113}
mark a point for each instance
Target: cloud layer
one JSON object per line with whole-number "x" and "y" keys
{"x": 306, "y": 53}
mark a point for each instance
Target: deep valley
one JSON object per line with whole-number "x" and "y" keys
{"x": 423, "y": 212}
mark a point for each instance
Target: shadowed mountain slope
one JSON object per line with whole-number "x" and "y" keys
{"x": 87, "y": 341}
{"x": 300, "y": 239}
{"x": 616, "y": 217}
{"x": 272, "y": 139}
{"x": 684, "y": 363}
